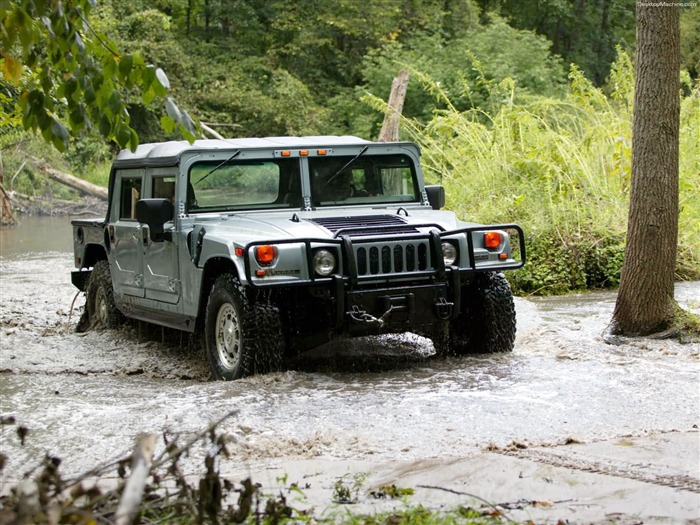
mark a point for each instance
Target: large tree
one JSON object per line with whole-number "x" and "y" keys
{"x": 60, "y": 76}
{"x": 645, "y": 303}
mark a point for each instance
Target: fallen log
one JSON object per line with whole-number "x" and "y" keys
{"x": 69, "y": 180}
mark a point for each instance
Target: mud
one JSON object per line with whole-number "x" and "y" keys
{"x": 595, "y": 433}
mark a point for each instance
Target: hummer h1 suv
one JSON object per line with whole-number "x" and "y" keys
{"x": 273, "y": 246}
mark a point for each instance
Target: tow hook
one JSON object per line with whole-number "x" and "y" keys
{"x": 358, "y": 315}
{"x": 443, "y": 309}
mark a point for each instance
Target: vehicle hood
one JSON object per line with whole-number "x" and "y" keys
{"x": 323, "y": 224}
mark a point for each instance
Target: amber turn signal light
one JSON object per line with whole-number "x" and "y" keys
{"x": 492, "y": 240}
{"x": 265, "y": 254}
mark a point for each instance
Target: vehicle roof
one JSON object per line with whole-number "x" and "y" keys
{"x": 170, "y": 152}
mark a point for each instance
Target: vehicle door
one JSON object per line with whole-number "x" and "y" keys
{"x": 125, "y": 233}
{"x": 161, "y": 271}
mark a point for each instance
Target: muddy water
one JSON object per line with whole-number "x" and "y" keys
{"x": 85, "y": 397}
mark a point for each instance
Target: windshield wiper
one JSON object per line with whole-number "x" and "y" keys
{"x": 235, "y": 154}
{"x": 362, "y": 151}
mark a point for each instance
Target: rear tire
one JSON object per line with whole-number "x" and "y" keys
{"x": 241, "y": 338}
{"x": 486, "y": 323}
{"x": 101, "y": 310}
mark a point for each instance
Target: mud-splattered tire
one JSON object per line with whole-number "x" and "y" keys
{"x": 241, "y": 338}
{"x": 100, "y": 307}
{"x": 487, "y": 321}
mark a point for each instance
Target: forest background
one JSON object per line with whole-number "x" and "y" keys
{"x": 522, "y": 109}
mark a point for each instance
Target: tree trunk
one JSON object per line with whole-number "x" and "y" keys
{"x": 8, "y": 217}
{"x": 645, "y": 303}
{"x": 392, "y": 118}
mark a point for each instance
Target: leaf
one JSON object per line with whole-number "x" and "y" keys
{"x": 133, "y": 139}
{"x": 189, "y": 126}
{"x": 115, "y": 103}
{"x": 173, "y": 111}
{"x": 123, "y": 135}
{"x": 161, "y": 86}
{"x": 162, "y": 78}
{"x": 167, "y": 124}
{"x": 105, "y": 126}
{"x": 77, "y": 118}
{"x": 59, "y": 135}
{"x": 12, "y": 69}
{"x": 79, "y": 43}
{"x": 148, "y": 96}
{"x": 69, "y": 87}
{"x": 125, "y": 65}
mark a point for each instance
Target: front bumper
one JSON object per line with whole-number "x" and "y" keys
{"x": 409, "y": 286}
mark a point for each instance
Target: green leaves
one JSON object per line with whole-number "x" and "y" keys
{"x": 69, "y": 76}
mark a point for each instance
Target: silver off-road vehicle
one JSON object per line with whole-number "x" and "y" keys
{"x": 273, "y": 246}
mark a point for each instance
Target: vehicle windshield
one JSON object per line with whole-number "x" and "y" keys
{"x": 369, "y": 179}
{"x": 239, "y": 184}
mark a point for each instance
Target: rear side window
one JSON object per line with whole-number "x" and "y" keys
{"x": 130, "y": 193}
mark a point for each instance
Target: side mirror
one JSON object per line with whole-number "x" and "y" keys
{"x": 436, "y": 196}
{"x": 155, "y": 213}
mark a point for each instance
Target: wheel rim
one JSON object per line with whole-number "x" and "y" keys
{"x": 101, "y": 311}
{"x": 228, "y": 336}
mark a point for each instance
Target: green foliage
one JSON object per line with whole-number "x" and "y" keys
{"x": 21, "y": 174}
{"x": 584, "y": 33}
{"x": 690, "y": 40}
{"x": 67, "y": 78}
{"x": 558, "y": 266}
{"x": 561, "y": 168}
{"x": 464, "y": 70}
{"x": 348, "y": 491}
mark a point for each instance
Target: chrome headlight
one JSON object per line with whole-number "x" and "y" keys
{"x": 323, "y": 262}
{"x": 449, "y": 253}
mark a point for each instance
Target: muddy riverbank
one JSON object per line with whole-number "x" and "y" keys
{"x": 601, "y": 432}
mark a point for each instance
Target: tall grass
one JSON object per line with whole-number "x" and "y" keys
{"x": 561, "y": 168}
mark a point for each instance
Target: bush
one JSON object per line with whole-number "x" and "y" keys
{"x": 561, "y": 168}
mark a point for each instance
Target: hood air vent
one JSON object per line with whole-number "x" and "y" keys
{"x": 365, "y": 225}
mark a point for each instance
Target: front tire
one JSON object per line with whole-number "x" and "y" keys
{"x": 486, "y": 323}
{"x": 241, "y": 338}
{"x": 100, "y": 307}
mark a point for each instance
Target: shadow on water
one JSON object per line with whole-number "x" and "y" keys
{"x": 372, "y": 354}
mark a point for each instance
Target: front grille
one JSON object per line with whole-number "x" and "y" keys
{"x": 397, "y": 248}
{"x": 393, "y": 257}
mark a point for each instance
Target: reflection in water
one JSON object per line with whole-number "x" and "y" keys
{"x": 36, "y": 234}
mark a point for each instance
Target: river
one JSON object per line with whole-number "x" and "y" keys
{"x": 362, "y": 405}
